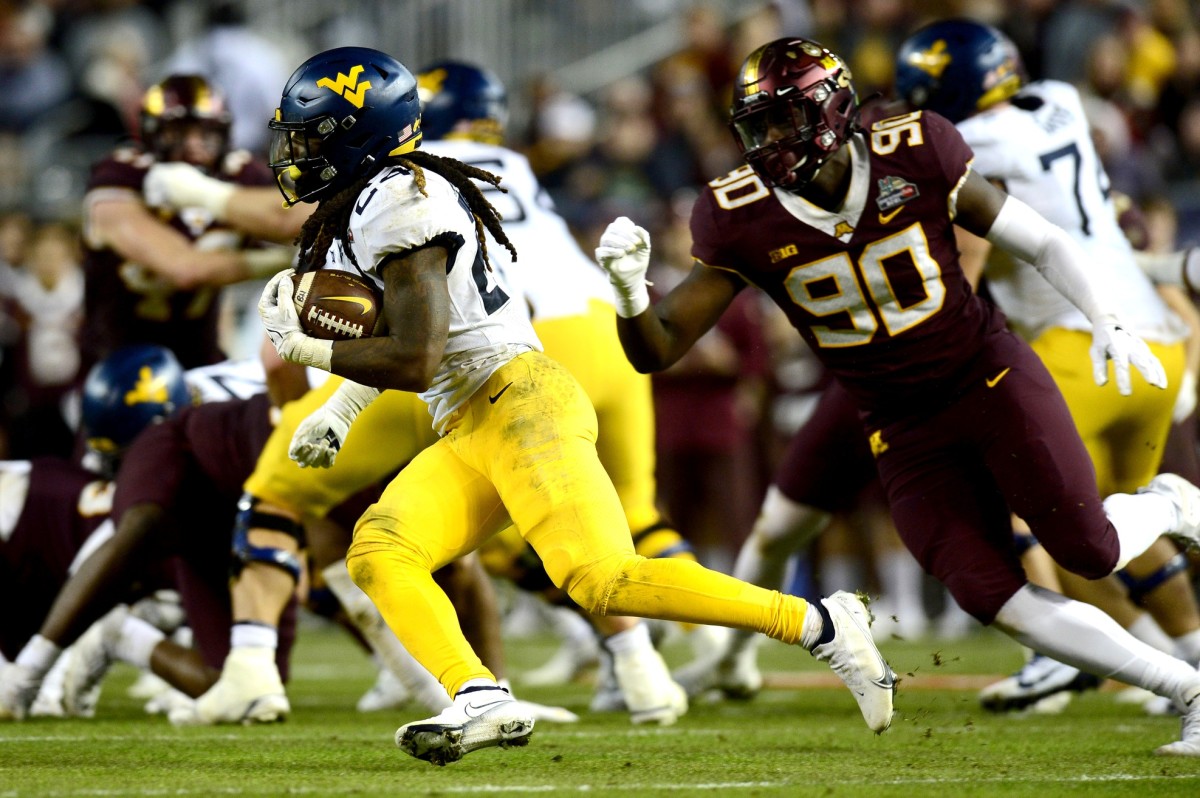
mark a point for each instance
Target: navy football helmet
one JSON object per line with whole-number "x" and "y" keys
{"x": 794, "y": 106}
{"x": 177, "y": 103}
{"x": 129, "y": 390}
{"x": 342, "y": 111}
{"x": 453, "y": 92}
{"x": 958, "y": 67}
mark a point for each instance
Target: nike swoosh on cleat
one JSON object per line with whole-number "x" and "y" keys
{"x": 483, "y": 707}
{"x": 492, "y": 399}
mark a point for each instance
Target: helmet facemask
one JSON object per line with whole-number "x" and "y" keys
{"x": 300, "y": 170}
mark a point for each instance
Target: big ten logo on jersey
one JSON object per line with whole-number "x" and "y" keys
{"x": 738, "y": 188}
{"x": 888, "y": 134}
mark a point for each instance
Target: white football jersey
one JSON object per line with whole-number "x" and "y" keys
{"x": 551, "y": 271}
{"x": 237, "y": 379}
{"x": 1040, "y": 146}
{"x": 488, "y": 327}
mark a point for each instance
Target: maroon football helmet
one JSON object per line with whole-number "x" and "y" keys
{"x": 793, "y": 107}
{"x": 179, "y": 104}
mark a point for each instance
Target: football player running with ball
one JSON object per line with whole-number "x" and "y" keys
{"x": 517, "y": 433}
{"x": 847, "y": 221}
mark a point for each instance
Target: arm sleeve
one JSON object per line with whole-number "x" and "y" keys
{"x": 1021, "y": 231}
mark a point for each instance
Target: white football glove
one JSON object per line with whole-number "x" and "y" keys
{"x": 181, "y": 185}
{"x": 279, "y": 316}
{"x": 319, "y": 437}
{"x": 624, "y": 254}
{"x": 1111, "y": 341}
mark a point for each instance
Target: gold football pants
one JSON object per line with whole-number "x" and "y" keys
{"x": 524, "y": 448}
{"x": 1124, "y": 435}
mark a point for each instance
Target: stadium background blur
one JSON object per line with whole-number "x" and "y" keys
{"x": 621, "y": 107}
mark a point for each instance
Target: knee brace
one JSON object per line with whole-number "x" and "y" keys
{"x": 244, "y": 552}
{"x": 1138, "y": 588}
{"x": 662, "y": 540}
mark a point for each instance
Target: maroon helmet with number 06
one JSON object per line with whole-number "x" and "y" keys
{"x": 793, "y": 106}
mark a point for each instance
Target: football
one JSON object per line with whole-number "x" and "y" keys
{"x": 336, "y": 306}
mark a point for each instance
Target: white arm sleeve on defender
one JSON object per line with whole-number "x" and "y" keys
{"x": 1023, "y": 232}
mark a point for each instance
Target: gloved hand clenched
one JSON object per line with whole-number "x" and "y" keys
{"x": 624, "y": 254}
{"x": 279, "y": 316}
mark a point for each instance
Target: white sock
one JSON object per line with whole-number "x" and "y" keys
{"x": 1081, "y": 635}
{"x": 631, "y": 640}
{"x": 246, "y": 634}
{"x": 137, "y": 641}
{"x": 1146, "y": 629}
{"x": 1140, "y": 519}
{"x": 418, "y": 681}
{"x": 840, "y": 572}
{"x": 1187, "y": 647}
{"x": 783, "y": 527}
{"x": 900, "y": 580}
{"x": 38, "y": 655}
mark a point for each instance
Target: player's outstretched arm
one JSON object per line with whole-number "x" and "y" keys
{"x": 255, "y": 210}
{"x": 128, "y": 227}
{"x": 1016, "y": 228}
{"x": 656, "y": 336}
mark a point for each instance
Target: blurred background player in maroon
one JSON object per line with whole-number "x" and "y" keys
{"x": 153, "y": 275}
{"x": 179, "y": 480}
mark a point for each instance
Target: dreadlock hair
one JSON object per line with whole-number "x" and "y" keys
{"x": 331, "y": 219}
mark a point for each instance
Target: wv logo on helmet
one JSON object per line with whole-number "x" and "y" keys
{"x": 348, "y": 86}
{"x": 150, "y": 387}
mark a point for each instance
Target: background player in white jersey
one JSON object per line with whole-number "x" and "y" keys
{"x": 1034, "y": 140}
{"x": 517, "y": 432}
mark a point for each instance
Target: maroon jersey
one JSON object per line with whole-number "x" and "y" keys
{"x": 125, "y": 303}
{"x": 194, "y": 465}
{"x": 875, "y": 287}
{"x": 63, "y": 506}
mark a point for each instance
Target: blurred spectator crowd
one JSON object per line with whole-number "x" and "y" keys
{"x": 72, "y": 73}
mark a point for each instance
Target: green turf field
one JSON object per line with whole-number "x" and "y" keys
{"x": 787, "y": 742}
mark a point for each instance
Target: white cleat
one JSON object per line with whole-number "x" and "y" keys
{"x": 570, "y": 660}
{"x": 1186, "y": 498}
{"x": 19, "y": 687}
{"x": 248, "y": 691}
{"x": 168, "y": 701}
{"x": 387, "y": 693}
{"x": 478, "y": 718}
{"x": 548, "y": 713}
{"x": 1189, "y": 737}
{"x": 854, "y": 658}
{"x": 49, "y": 701}
{"x": 1038, "y": 679}
{"x": 650, "y": 694}
{"x": 147, "y": 686}
{"x": 88, "y": 660}
{"x": 736, "y": 675}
